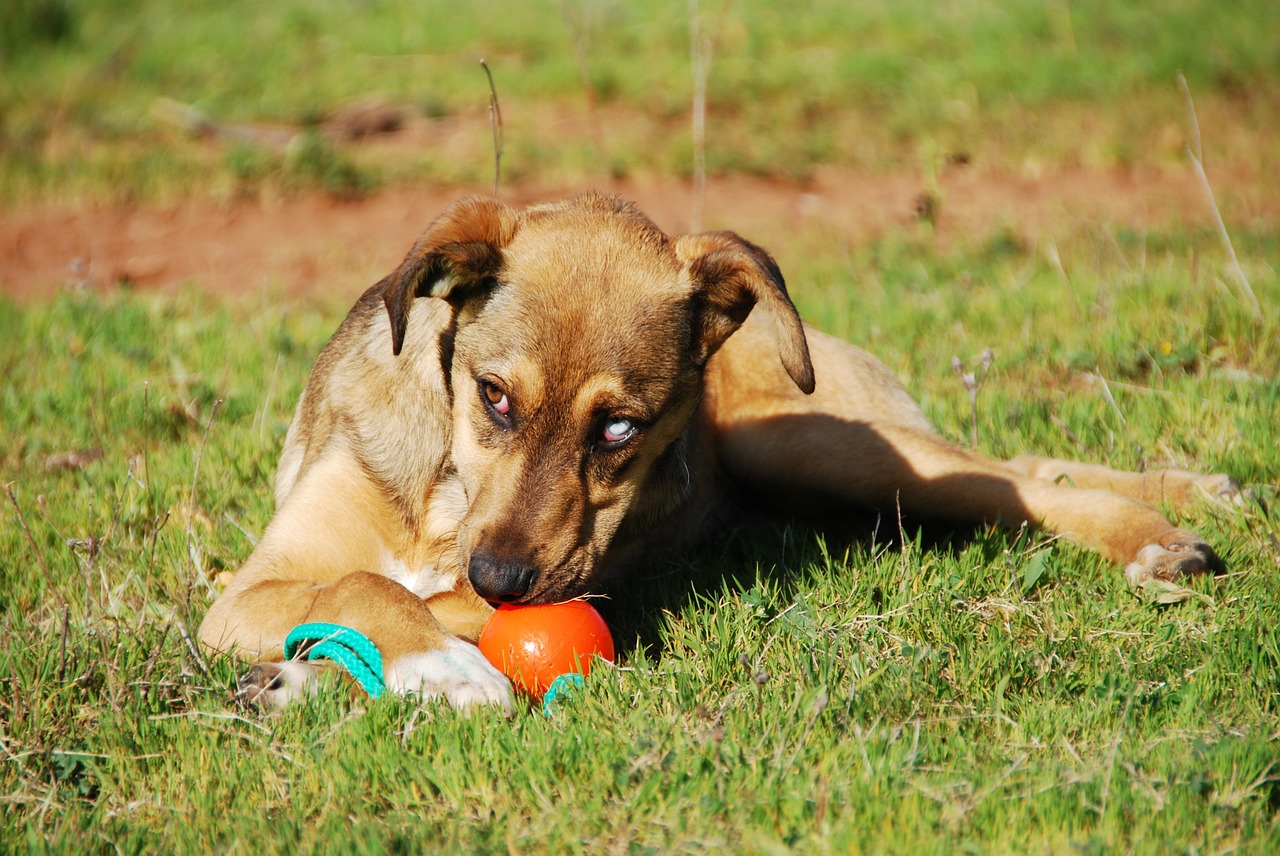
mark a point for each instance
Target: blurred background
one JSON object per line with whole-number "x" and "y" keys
{"x": 154, "y": 99}
{"x": 301, "y": 146}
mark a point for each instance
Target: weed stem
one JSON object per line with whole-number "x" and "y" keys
{"x": 1196, "y": 154}
{"x": 44, "y": 567}
{"x": 495, "y": 123}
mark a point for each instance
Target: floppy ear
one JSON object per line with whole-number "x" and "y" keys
{"x": 731, "y": 276}
{"x": 460, "y": 253}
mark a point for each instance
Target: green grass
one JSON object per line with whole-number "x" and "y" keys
{"x": 780, "y": 689}
{"x": 873, "y": 86}
{"x": 784, "y": 688}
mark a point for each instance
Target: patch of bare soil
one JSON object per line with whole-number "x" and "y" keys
{"x": 316, "y": 245}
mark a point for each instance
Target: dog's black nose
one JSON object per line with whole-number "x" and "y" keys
{"x": 499, "y": 582}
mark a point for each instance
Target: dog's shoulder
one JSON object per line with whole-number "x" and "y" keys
{"x": 390, "y": 412}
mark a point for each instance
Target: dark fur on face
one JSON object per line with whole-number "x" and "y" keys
{"x": 571, "y": 319}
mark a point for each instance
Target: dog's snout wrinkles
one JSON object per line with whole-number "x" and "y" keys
{"x": 497, "y": 581}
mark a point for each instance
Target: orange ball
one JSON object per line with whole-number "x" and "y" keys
{"x": 533, "y": 645}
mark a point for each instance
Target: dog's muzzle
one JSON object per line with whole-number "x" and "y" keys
{"x": 499, "y": 582}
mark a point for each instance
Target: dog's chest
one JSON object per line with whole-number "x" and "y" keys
{"x": 424, "y": 562}
{"x": 423, "y": 580}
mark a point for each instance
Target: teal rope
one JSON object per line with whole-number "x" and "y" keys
{"x": 349, "y": 648}
{"x": 561, "y": 688}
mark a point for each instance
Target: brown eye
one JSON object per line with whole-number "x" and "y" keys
{"x": 497, "y": 402}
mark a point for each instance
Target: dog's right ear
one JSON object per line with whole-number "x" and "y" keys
{"x": 458, "y": 255}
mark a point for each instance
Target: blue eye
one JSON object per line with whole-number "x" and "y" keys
{"x": 617, "y": 431}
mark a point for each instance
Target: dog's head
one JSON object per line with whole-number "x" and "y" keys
{"x": 581, "y": 336}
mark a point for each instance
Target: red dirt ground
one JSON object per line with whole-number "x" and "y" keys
{"x": 316, "y": 245}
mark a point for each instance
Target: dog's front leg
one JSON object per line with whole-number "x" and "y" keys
{"x": 420, "y": 657}
{"x": 319, "y": 562}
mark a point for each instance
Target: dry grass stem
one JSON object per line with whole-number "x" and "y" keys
{"x": 495, "y": 124}
{"x": 1196, "y": 154}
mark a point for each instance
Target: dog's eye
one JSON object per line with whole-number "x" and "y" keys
{"x": 617, "y": 431}
{"x": 497, "y": 401}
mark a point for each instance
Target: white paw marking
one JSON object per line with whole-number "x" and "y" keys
{"x": 1221, "y": 488}
{"x": 458, "y": 671}
{"x": 1141, "y": 568}
{"x": 1171, "y": 561}
{"x": 292, "y": 680}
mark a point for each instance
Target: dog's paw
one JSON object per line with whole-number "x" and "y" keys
{"x": 458, "y": 671}
{"x": 1178, "y": 554}
{"x": 1220, "y": 488}
{"x": 275, "y": 685}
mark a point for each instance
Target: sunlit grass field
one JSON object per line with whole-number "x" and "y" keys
{"x": 879, "y": 688}
{"x": 888, "y": 685}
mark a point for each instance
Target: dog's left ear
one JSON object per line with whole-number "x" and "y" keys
{"x": 459, "y": 255}
{"x": 731, "y": 276}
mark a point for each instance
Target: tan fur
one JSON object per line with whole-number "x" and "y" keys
{"x": 460, "y": 432}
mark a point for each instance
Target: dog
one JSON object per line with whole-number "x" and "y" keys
{"x": 535, "y": 395}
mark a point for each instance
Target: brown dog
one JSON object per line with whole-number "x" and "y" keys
{"x": 532, "y": 395}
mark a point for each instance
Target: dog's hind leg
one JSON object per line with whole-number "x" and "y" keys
{"x": 1177, "y": 488}
{"x": 895, "y": 467}
{"x": 859, "y": 440}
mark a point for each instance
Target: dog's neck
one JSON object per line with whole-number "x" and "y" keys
{"x": 674, "y": 502}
